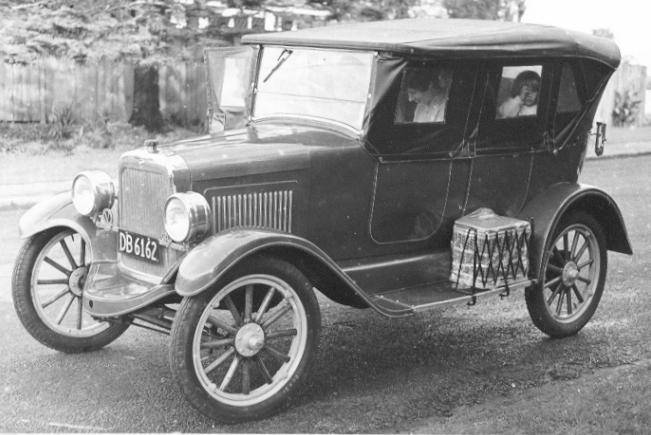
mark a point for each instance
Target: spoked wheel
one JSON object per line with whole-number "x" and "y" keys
{"x": 48, "y": 291}
{"x": 240, "y": 350}
{"x": 572, "y": 277}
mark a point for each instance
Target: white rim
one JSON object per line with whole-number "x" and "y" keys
{"x": 572, "y": 268}
{"x": 244, "y": 350}
{"x": 57, "y": 286}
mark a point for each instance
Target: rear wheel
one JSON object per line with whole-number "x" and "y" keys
{"x": 48, "y": 292}
{"x": 240, "y": 350}
{"x": 572, "y": 277}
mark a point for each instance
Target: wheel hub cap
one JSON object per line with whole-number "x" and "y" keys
{"x": 77, "y": 280}
{"x": 249, "y": 339}
{"x": 570, "y": 273}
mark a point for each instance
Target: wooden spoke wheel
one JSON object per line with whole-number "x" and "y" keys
{"x": 48, "y": 292}
{"x": 240, "y": 350}
{"x": 572, "y": 277}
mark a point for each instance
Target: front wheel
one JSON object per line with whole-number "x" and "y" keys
{"x": 572, "y": 277}
{"x": 240, "y": 350}
{"x": 48, "y": 291}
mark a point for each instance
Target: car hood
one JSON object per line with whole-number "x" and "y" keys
{"x": 254, "y": 150}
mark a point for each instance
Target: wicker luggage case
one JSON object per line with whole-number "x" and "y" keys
{"x": 489, "y": 251}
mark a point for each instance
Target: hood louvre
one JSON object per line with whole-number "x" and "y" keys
{"x": 271, "y": 210}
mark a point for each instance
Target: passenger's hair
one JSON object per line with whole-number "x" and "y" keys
{"x": 419, "y": 79}
{"x": 528, "y": 77}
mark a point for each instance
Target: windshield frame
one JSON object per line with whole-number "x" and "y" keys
{"x": 316, "y": 119}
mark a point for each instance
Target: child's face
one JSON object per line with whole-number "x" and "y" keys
{"x": 529, "y": 94}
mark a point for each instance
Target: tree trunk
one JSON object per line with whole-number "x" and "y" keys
{"x": 146, "y": 110}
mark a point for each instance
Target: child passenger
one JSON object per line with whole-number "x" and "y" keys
{"x": 524, "y": 96}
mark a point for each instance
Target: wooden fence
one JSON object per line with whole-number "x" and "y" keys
{"x": 102, "y": 90}
{"x": 35, "y": 92}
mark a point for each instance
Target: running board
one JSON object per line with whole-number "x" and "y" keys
{"x": 428, "y": 296}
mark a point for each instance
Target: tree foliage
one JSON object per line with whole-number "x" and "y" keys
{"x": 90, "y": 29}
{"x": 369, "y": 10}
{"x": 626, "y": 108}
{"x": 251, "y": 4}
{"x": 507, "y": 10}
{"x": 388, "y": 9}
{"x": 604, "y": 33}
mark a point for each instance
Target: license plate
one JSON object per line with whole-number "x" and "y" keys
{"x": 139, "y": 246}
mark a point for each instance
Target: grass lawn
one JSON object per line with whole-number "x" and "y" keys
{"x": 621, "y": 135}
{"x": 29, "y": 155}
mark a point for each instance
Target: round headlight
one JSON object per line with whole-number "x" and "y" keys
{"x": 92, "y": 191}
{"x": 187, "y": 215}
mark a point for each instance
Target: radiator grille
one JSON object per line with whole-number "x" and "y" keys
{"x": 142, "y": 197}
{"x": 268, "y": 210}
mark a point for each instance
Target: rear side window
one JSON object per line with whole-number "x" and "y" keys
{"x": 514, "y": 106}
{"x": 519, "y": 91}
{"x": 568, "y": 96}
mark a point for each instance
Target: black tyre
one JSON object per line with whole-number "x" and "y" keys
{"x": 48, "y": 291}
{"x": 571, "y": 278}
{"x": 240, "y": 350}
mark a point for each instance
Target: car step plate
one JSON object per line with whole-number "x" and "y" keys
{"x": 424, "y": 297}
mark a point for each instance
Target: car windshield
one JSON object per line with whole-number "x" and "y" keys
{"x": 326, "y": 84}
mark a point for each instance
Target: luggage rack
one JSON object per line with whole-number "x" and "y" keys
{"x": 510, "y": 270}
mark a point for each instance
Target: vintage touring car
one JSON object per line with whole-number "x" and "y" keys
{"x": 397, "y": 166}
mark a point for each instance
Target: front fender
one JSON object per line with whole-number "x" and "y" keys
{"x": 208, "y": 261}
{"x": 58, "y": 212}
{"x": 548, "y": 208}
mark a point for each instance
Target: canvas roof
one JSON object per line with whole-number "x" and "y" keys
{"x": 451, "y": 37}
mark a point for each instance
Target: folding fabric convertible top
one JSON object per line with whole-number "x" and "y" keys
{"x": 451, "y": 38}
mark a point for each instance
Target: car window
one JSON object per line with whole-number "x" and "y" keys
{"x": 325, "y": 84}
{"x": 519, "y": 91}
{"x": 398, "y": 128}
{"x": 568, "y": 97}
{"x": 230, "y": 71}
{"x": 513, "y": 107}
{"x": 424, "y": 94}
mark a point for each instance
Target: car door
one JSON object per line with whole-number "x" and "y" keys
{"x": 512, "y": 127}
{"x": 418, "y": 183}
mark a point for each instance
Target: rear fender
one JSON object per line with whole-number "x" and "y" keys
{"x": 206, "y": 263}
{"x": 547, "y": 209}
{"x": 58, "y": 212}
